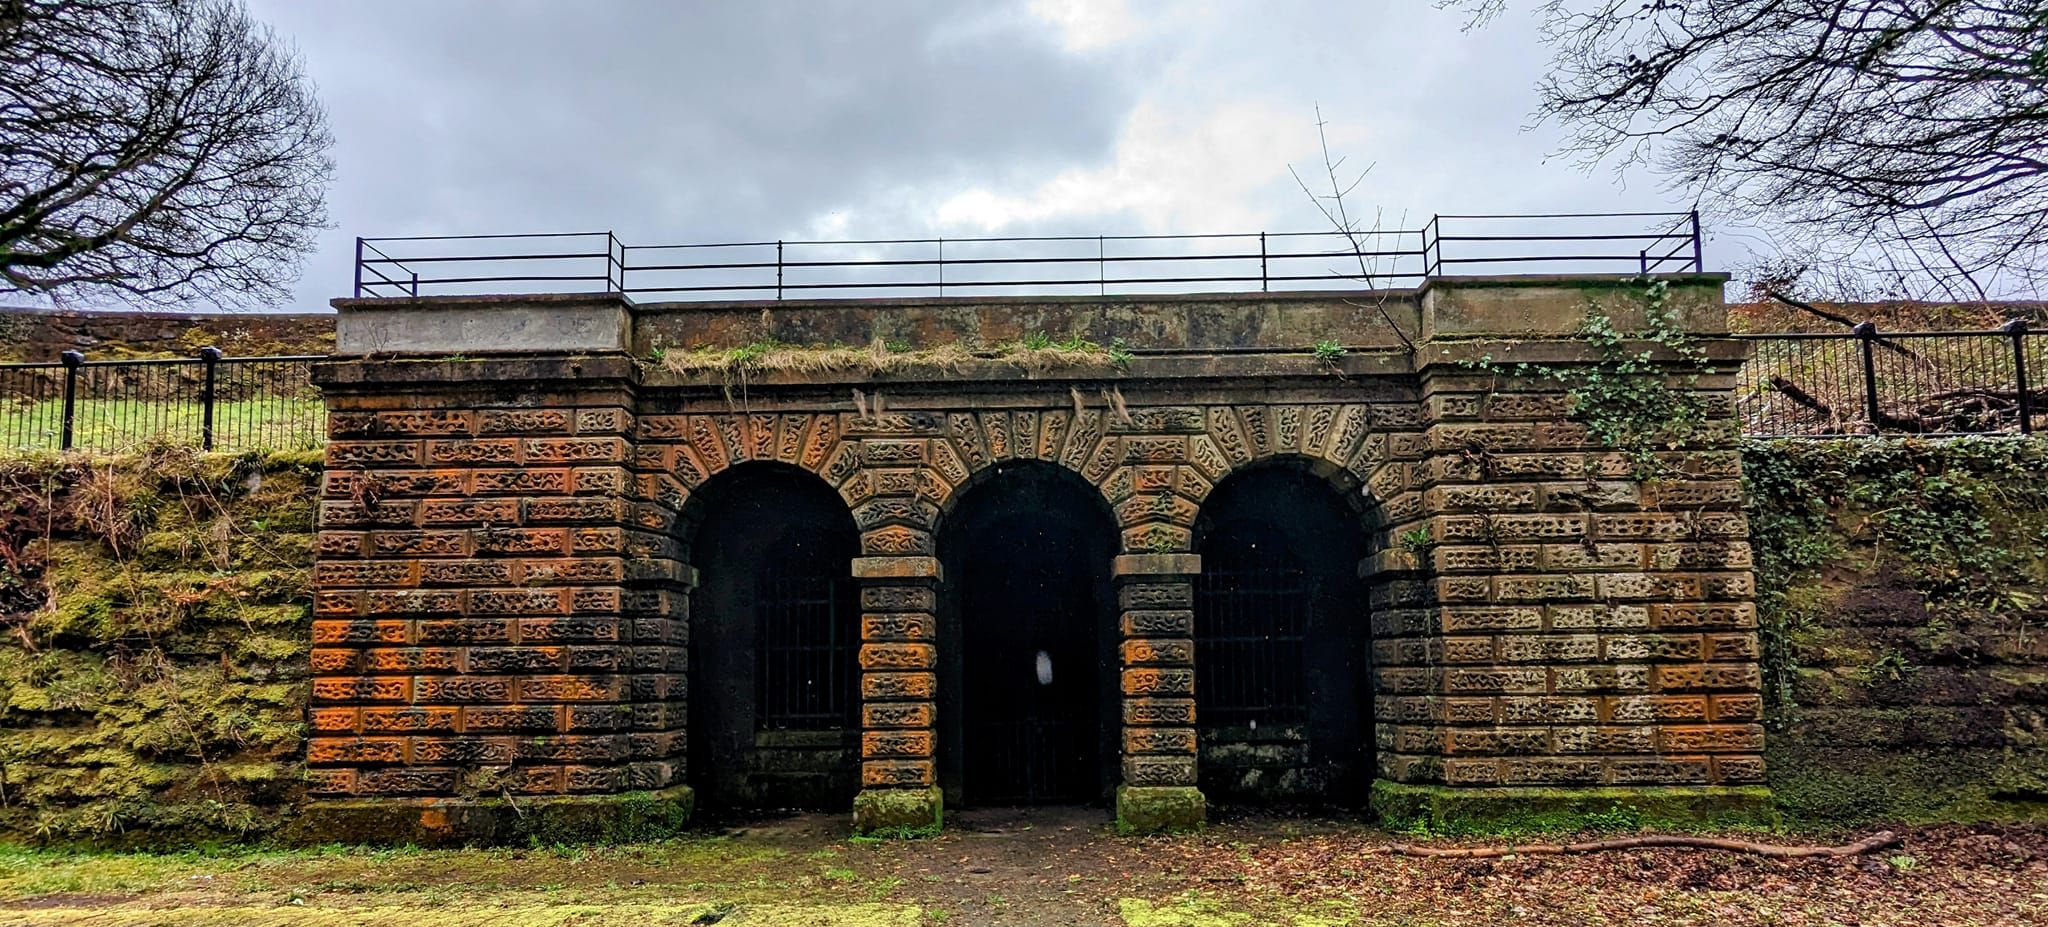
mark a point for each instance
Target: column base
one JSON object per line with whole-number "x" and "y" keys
{"x": 429, "y": 822}
{"x": 1159, "y": 809}
{"x": 899, "y": 812}
{"x": 1441, "y": 809}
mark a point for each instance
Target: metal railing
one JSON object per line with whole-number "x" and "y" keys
{"x": 1859, "y": 382}
{"x": 598, "y": 262}
{"x": 1866, "y": 382}
{"x": 211, "y": 401}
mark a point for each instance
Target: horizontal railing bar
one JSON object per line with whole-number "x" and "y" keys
{"x": 485, "y": 257}
{"x": 1631, "y": 258}
{"x": 1642, "y": 236}
{"x": 583, "y": 278}
{"x": 952, "y": 262}
{"x": 1570, "y": 215}
{"x": 488, "y": 237}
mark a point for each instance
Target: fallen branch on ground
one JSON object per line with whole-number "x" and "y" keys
{"x": 1875, "y": 841}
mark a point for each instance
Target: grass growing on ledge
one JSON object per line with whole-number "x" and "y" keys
{"x": 1037, "y": 352}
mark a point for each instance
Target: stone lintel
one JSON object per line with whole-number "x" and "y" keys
{"x": 897, "y": 568}
{"x": 549, "y": 324}
{"x": 1138, "y": 565}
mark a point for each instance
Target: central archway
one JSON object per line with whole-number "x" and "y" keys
{"x": 1027, "y": 629}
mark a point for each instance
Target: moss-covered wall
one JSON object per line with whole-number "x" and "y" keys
{"x": 153, "y": 661}
{"x": 155, "y": 610}
{"x": 1901, "y": 587}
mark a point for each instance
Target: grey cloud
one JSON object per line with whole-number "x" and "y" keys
{"x": 676, "y": 122}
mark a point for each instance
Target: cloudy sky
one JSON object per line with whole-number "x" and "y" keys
{"x": 678, "y": 122}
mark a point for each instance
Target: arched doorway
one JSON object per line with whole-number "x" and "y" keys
{"x": 1283, "y": 676}
{"x": 1027, "y": 639}
{"x": 774, "y": 642}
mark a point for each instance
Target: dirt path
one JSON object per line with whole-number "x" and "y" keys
{"x": 1042, "y": 867}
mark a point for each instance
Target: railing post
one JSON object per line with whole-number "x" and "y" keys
{"x": 1699, "y": 261}
{"x": 358, "y": 291}
{"x": 1643, "y": 263}
{"x": 72, "y": 361}
{"x": 942, "y": 266}
{"x": 211, "y": 356}
{"x": 1432, "y": 262}
{"x": 2017, "y": 328}
{"x": 1101, "y": 268}
{"x": 1265, "y": 285}
{"x": 1866, "y": 335}
{"x": 778, "y": 270}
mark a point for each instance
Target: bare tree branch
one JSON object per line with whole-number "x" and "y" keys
{"x": 166, "y": 150}
{"x": 1899, "y": 139}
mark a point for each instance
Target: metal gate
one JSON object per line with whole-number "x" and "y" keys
{"x": 1251, "y": 628}
{"x": 807, "y": 678}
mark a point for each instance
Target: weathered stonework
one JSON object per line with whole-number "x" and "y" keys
{"x": 504, "y": 597}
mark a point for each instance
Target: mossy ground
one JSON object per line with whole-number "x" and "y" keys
{"x": 1047, "y": 866}
{"x": 153, "y": 680}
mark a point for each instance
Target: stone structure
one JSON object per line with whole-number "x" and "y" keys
{"x": 504, "y": 605}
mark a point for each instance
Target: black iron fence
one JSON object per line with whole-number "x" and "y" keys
{"x": 598, "y": 262}
{"x": 1808, "y": 384}
{"x": 1867, "y": 382}
{"x": 210, "y": 401}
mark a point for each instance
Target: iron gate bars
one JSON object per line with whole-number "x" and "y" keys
{"x": 1251, "y": 626}
{"x": 599, "y": 262}
{"x": 806, "y": 677}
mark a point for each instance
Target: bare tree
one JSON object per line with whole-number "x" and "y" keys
{"x": 1360, "y": 239}
{"x": 1904, "y": 139}
{"x": 159, "y": 149}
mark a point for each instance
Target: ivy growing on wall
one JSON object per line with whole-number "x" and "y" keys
{"x": 1638, "y": 394}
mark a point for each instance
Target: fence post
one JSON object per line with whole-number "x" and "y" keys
{"x": 1866, "y": 335}
{"x": 2017, "y": 328}
{"x": 1101, "y": 268}
{"x": 211, "y": 356}
{"x": 1265, "y": 285}
{"x": 358, "y": 291}
{"x": 1699, "y": 260}
{"x": 778, "y": 270}
{"x": 942, "y": 267}
{"x": 72, "y": 361}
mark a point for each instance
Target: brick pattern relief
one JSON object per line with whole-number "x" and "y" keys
{"x": 475, "y": 630}
{"x": 505, "y": 589}
{"x": 1581, "y": 628}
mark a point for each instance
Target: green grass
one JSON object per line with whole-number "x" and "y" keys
{"x": 264, "y": 423}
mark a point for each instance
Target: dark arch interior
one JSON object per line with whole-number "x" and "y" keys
{"x": 1027, "y": 640}
{"x": 774, "y": 640}
{"x": 1282, "y": 661}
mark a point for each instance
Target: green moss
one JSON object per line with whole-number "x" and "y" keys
{"x": 899, "y": 813}
{"x": 552, "y": 821}
{"x": 1434, "y": 809}
{"x": 155, "y": 686}
{"x": 1151, "y": 809}
{"x": 1898, "y": 582}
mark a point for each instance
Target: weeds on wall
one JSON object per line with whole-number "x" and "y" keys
{"x": 1628, "y": 397}
{"x": 155, "y": 611}
{"x": 1959, "y": 525}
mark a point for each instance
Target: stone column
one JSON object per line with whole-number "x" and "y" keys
{"x": 899, "y": 679}
{"x": 479, "y": 671}
{"x": 1156, "y": 598}
{"x": 1593, "y": 632}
